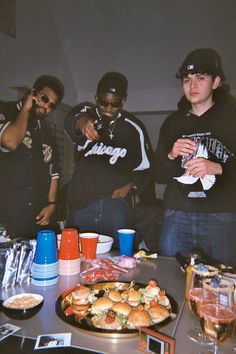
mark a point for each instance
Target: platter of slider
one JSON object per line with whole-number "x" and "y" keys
{"x": 116, "y": 309}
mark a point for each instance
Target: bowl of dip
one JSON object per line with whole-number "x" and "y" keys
{"x": 22, "y": 306}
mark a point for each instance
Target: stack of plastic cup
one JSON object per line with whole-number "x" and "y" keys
{"x": 45, "y": 265}
{"x": 69, "y": 256}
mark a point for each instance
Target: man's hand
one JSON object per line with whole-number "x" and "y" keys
{"x": 14, "y": 134}
{"x": 85, "y": 125}
{"x": 122, "y": 192}
{"x": 29, "y": 101}
{"x": 199, "y": 167}
{"x": 89, "y": 131}
{"x": 45, "y": 214}
{"x": 182, "y": 147}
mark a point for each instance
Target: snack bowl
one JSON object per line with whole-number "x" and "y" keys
{"x": 104, "y": 244}
{"x": 22, "y": 306}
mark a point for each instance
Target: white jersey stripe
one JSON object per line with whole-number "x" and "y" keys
{"x": 145, "y": 162}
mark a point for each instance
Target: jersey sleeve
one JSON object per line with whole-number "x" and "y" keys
{"x": 5, "y": 120}
{"x": 141, "y": 157}
{"x": 71, "y": 119}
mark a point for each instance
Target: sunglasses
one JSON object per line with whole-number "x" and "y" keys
{"x": 105, "y": 103}
{"x": 46, "y": 100}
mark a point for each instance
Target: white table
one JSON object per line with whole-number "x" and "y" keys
{"x": 165, "y": 270}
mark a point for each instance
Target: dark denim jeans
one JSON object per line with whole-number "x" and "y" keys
{"x": 213, "y": 232}
{"x": 105, "y": 217}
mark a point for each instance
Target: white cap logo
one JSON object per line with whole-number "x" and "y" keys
{"x": 190, "y": 67}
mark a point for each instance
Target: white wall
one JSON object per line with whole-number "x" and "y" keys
{"x": 36, "y": 50}
{"x": 79, "y": 40}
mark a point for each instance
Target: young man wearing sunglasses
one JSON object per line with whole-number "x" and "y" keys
{"x": 28, "y": 158}
{"x": 113, "y": 157}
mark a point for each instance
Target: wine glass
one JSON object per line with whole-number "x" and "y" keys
{"x": 217, "y": 311}
{"x": 199, "y": 273}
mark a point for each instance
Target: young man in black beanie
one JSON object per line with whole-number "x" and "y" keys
{"x": 113, "y": 155}
{"x": 196, "y": 158}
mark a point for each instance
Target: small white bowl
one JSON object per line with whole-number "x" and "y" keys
{"x": 104, "y": 244}
{"x": 22, "y": 312}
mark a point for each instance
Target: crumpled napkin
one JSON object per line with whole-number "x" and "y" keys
{"x": 207, "y": 181}
{"x": 142, "y": 254}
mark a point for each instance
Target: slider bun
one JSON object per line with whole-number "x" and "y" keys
{"x": 133, "y": 297}
{"x": 158, "y": 313}
{"x": 102, "y": 304}
{"x": 151, "y": 291}
{"x": 122, "y": 308}
{"x": 80, "y": 309}
{"x": 80, "y": 295}
{"x": 104, "y": 323}
{"x": 138, "y": 317}
{"x": 115, "y": 295}
{"x": 163, "y": 299}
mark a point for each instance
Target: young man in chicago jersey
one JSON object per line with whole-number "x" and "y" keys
{"x": 113, "y": 157}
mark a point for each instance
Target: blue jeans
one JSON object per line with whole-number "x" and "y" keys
{"x": 105, "y": 217}
{"x": 215, "y": 233}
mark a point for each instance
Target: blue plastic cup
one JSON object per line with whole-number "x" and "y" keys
{"x": 126, "y": 241}
{"x": 46, "y": 251}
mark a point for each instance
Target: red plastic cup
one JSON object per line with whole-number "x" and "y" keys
{"x": 69, "y": 246}
{"x": 88, "y": 243}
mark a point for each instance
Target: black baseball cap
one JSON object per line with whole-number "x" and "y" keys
{"x": 113, "y": 82}
{"x": 203, "y": 61}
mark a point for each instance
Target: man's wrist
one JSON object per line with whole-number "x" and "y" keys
{"x": 171, "y": 157}
{"x": 23, "y": 109}
{"x": 220, "y": 169}
{"x": 52, "y": 203}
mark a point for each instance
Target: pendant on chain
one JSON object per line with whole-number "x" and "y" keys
{"x": 111, "y": 135}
